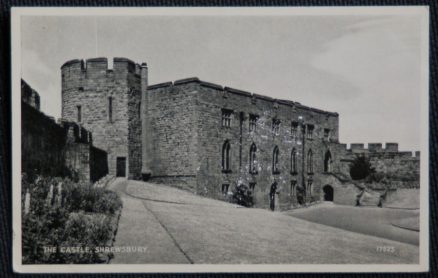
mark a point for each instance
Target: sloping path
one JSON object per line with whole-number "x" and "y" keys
{"x": 139, "y": 229}
{"x": 179, "y": 227}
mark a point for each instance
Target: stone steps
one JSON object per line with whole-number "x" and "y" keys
{"x": 370, "y": 198}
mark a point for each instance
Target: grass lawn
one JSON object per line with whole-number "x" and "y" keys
{"x": 367, "y": 220}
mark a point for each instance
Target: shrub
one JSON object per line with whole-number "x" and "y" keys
{"x": 109, "y": 202}
{"x": 91, "y": 199}
{"x": 83, "y": 218}
{"x": 361, "y": 168}
{"x": 42, "y": 230}
{"x": 242, "y": 195}
{"x": 86, "y": 230}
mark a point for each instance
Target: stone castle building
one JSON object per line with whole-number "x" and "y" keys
{"x": 207, "y": 138}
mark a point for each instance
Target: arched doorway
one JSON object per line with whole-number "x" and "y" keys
{"x": 328, "y": 193}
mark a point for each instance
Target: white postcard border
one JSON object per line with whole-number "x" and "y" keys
{"x": 18, "y": 12}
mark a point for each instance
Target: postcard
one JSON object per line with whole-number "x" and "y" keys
{"x": 220, "y": 139}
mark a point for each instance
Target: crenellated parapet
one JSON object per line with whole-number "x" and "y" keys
{"x": 75, "y": 73}
{"x": 253, "y": 96}
{"x": 76, "y": 133}
{"x": 389, "y": 150}
{"x": 29, "y": 95}
{"x": 400, "y": 169}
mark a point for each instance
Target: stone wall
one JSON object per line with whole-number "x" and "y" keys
{"x": 400, "y": 169}
{"x": 172, "y": 133}
{"x": 134, "y": 124}
{"x": 92, "y": 86}
{"x": 29, "y": 95}
{"x": 173, "y": 136}
{"x": 212, "y": 99}
{"x": 345, "y": 191}
{"x": 42, "y": 143}
{"x": 98, "y": 163}
{"x": 190, "y": 136}
{"x": 58, "y": 149}
{"x": 90, "y": 163}
{"x": 77, "y": 149}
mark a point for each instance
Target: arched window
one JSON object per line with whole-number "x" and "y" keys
{"x": 293, "y": 161}
{"x": 328, "y": 162}
{"x": 252, "y": 159}
{"x": 226, "y": 163}
{"x": 310, "y": 162}
{"x": 275, "y": 161}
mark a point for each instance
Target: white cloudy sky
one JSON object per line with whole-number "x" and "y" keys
{"x": 366, "y": 68}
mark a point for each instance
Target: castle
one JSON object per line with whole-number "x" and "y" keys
{"x": 207, "y": 138}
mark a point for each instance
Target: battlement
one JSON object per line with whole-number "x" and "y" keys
{"x": 76, "y": 133}
{"x": 390, "y": 149}
{"x": 101, "y": 63}
{"x": 230, "y": 90}
{"x": 29, "y": 95}
{"x": 75, "y": 71}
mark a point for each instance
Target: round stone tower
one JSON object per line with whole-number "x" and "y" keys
{"x": 107, "y": 102}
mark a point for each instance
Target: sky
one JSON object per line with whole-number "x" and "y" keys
{"x": 365, "y": 67}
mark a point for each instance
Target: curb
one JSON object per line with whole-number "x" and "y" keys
{"x": 405, "y": 228}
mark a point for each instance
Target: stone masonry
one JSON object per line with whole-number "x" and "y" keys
{"x": 106, "y": 102}
{"x": 180, "y": 133}
{"x": 53, "y": 148}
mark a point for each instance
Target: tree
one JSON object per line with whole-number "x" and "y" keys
{"x": 361, "y": 168}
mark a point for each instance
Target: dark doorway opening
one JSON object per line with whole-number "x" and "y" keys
{"x": 272, "y": 194}
{"x": 121, "y": 167}
{"x": 328, "y": 193}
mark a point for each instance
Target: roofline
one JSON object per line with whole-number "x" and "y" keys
{"x": 239, "y": 92}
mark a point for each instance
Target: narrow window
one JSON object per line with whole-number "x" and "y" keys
{"x": 309, "y": 133}
{"x": 225, "y": 187}
{"x": 310, "y": 162}
{"x": 293, "y": 187}
{"x": 293, "y": 162}
{"x": 328, "y": 162}
{"x": 253, "y": 122}
{"x": 309, "y": 187}
{"x": 253, "y": 159}
{"x": 226, "y": 117}
{"x": 326, "y": 134}
{"x": 226, "y": 157}
{"x": 79, "y": 113}
{"x": 294, "y": 129}
{"x": 275, "y": 162}
{"x": 276, "y": 126}
{"x": 110, "y": 109}
{"x": 252, "y": 186}
{"x": 139, "y": 110}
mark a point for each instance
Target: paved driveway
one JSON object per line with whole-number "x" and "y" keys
{"x": 175, "y": 226}
{"x": 381, "y": 222}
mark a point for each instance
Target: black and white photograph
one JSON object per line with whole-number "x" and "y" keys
{"x": 220, "y": 139}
